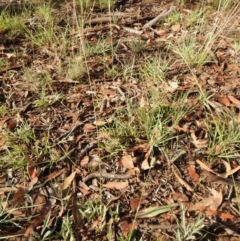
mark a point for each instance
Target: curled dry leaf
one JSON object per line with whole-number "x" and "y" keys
{"x": 116, "y": 185}
{"x": 67, "y": 182}
{"x": 229, "y": 172}
{"x": 224, "y": 175}
{"x": 95, "y": 161}
{"x": 224, "y": 100}
{"x": 84, "y": 161}
{"x": 176, "y": 27}
{"x": 127, "y": 162}
{"x": 145, "y": 165}
{"x": 211, "y": 203}
{"x": 99, "y": 123}
{"x": 126, "y": 226}
{"x": 180, "y": 197}
{"x": 32, "y": 183}
{"x": 199, "y": 143}
{"x": 88, "y": 128}
{"x": 235, "y": 101}
{"x": 193, "y": 174}
{"x": 205, "y": 167}
{"x": 32, "y": 171}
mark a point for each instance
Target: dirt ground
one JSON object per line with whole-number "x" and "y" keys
{"x": 113, "y": 127}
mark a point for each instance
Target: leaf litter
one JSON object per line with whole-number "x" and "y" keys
{"x": 92, "y": 120}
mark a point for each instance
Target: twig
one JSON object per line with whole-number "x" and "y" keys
{"x": 106, "y": 175}
{"x": 161, "y": 16}
{"x": 106, "y": 18}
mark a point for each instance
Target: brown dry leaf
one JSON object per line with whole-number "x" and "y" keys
{"x": 199, "y": 143}
{"x": 84, "y": 161}
{"x": 55, "y": 174}
{"x": 32, "y": 171}
{"x": 217, "y": 198}
{"x": 39, "y": 203}
{"x": 186, "y": 185}
{"x": 19, "y": 197}
{"x": 136, "y": 202}
{"x": 116, "y": 185}
{"x": 180, "y": 197}
{"x": 205, "y": 167}
{"x": 142, "y": 101}
{"x": 176, "y": 27}
{"x": 126, "y": 226}
{"x": 140, "y": 148}
{"x": 193, "y": 174}
{"x": 145, "y": 165}
{"x": 212, "y": 202}
{"x": 32, "y": 183}
{"x": 224, "y": 100}
{"x": 133, "y": 171}
{"x": 99, "y": 123}
{"x": 233, "y": 67}
{"x": 179, "y": 128}
{"x": 127, "y": 162}
{"x": 228, "y": 169}
{"x": 88, "y": 128}
{"x": 161, "y": 32}
{"x": 11, "y": 124}
{"x": 84, "y": 191}
{"x": 217, "y": 106}
{"x": 28, "y": 231}
{"x": 103, "y": 135}
{"x": 67, "y": 182}
{"x": 235, "y": 101}
{"x": 219, "y": 214}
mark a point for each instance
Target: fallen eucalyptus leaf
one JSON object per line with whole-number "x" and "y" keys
{"x": 154, "y": 211}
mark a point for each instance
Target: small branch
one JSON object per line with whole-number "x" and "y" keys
{"x": 161, "y": 16}
{"x": 106, "y": 175}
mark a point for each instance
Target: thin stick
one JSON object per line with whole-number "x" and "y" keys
{"x": 161, "y": 16}
{"x": 106, "y": 175}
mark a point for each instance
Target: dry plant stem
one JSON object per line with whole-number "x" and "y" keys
{"x": 107, "y": 18}
{"x": 106, "y": 175}
{"x": 81, "y": 154}
{"x": 161, "y": 16}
